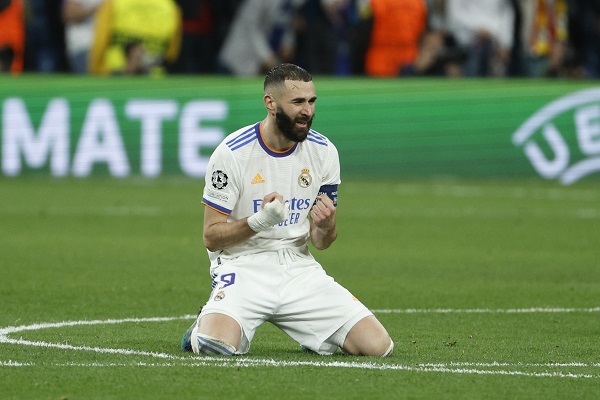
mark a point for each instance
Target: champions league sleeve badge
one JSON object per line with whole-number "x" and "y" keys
{"x": 219, "y": 179}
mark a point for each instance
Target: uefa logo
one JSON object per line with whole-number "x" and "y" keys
{"x": 562, "y": 139}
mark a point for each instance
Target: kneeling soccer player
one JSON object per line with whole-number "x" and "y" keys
{"x": 271, "y": 187}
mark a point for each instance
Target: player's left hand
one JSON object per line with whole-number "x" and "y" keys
{"x": 323, "y": 212}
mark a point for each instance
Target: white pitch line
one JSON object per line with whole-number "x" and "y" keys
{"x": 13, "y": 329}
{"x": 34, "y": 327}
{"x": 102, "y": 350}
{"x": 243, "y": 361}
{"x": 249, "y": 363}
{"x": 4, "y": 332}
{"x": 11, "y": 363}
{"x": 503, "y": 364}
{"x": 195, "y": 361}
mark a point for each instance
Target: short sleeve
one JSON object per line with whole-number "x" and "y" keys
{"x": 221, "y": 190}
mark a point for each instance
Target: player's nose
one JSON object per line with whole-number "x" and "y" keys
{"x": 307, "y": 110}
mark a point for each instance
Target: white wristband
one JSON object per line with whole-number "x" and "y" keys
{"x": 272, "y": 213}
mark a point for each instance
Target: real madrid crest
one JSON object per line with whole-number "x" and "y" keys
{"x": 304, "y": 180}
{"x": 219, "y": 296}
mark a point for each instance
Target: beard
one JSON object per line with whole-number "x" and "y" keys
{"x": 287, "y": 126}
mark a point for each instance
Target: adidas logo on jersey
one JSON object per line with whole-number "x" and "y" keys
{"x": 257, "y": 179}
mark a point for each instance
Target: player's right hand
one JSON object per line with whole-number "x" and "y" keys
{"x": 274, "y": 211}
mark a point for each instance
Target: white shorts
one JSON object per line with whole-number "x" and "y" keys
{"x": 289, "y": 289}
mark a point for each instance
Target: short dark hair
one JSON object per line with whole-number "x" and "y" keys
{"x": 282, "y": 72}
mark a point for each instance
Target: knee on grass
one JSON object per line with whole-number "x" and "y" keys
{"x": 379, "y": 349}
{"x": 369, "y": 338}
{"x": 208, "y": 345}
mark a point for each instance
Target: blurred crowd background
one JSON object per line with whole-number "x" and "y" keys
{"x": 379, "y": 38}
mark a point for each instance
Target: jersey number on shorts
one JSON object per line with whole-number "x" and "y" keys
{"x": 227, "y": 279}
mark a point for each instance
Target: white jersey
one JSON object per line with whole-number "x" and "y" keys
{"x": 243, "y": 169}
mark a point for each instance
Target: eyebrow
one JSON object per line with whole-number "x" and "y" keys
{"x": 314, "y": 98}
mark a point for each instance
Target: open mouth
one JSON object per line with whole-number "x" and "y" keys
{"x": 302, "y": 123}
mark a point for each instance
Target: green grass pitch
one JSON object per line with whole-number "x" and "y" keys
{"x": 490, "y": 289}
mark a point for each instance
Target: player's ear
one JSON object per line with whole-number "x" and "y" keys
{"x": 270, "y": 103}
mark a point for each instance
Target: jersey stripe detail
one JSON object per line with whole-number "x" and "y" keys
{"x": 216, "y": 207}
{"x": 315, "y": 137}
{"x": 242, "y": 139}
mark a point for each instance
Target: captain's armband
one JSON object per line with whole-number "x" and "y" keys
{"x": 331, "y": 191}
